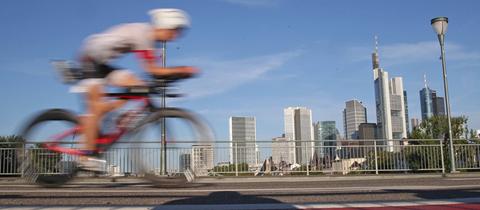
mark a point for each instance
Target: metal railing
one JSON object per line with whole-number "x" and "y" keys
{"x": 467, "y": 155}
{"x": 260, "y": 158}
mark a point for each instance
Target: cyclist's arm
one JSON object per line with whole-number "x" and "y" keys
{"x": 150, "y": 65}
{"x": 152, "y": 68}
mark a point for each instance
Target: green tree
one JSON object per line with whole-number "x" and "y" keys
{"x": 436, "y": 127}
{"x": 228, "y": 169}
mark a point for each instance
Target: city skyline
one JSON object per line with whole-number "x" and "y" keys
{"x": 255, "y": 59}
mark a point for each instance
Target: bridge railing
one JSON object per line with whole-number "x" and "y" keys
{"x": 262, "y": 158}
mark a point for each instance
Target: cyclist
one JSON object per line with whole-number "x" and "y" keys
{"x": 100, "y": 49}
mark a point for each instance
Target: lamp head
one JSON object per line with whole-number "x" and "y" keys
{"x": 439, "y": 25}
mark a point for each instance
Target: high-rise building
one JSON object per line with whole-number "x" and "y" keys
{"x": 382, "y": 97}
{"x": 438, "y": 104}
{"x": 430, "y": 103}
{"x": 426, "y": 104}
{"x": 397, "y": 105}
{"x": 353, "y": 115}
{"x": 184, "y": 162}
{"x": 318, "y": 143}
{"x": 202, "y": 158}
{"x": 415, "y": 123}
{"x": 389, "y": 103}
{"x": 298, "y": 127}
{"x": 405, "y": 101}
{"x": 328, "y": 135}
{"x": 367, "y": 131}
{"x": 243, "y": 140}
{"x": 282, "y": 151}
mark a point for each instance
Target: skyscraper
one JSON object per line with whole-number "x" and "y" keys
{"x": 438, "y": 104}
{"x": 327, "y": 131}
{"x": 405, "y": 101}
{"x": 367, "y": 131}
{"x": 397, "y": 105}
{"x": 318, "y": 143}
{"x": 353, "y": 115}
{"x": 202, "y": 158}
{"x": 426, "y": 100}
{"x": 282, "y": 151}
{"x": 415, "y": 123}
{"x": 430, "y": 103}
{"x": 389, "y": 103}
{"x": 298, "y": 127}
{"x": 242, "y": 140}
{"x": 382, "y": 97}
{"x": 184, "y": 162}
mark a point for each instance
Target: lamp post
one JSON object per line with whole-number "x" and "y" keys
{"x": 439, "y": 25}
{"x": 164, "y": 120}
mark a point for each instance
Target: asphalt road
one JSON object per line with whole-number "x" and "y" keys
{"x": 253, "y": 191}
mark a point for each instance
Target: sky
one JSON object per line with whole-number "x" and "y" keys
{"x": 256, "y": 57}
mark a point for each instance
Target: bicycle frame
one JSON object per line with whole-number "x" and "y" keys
{"x": 104, "y": 139}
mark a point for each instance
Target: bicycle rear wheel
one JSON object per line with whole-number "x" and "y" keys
{"x": 189, "y": 140}
{"x": 40, "y": 165}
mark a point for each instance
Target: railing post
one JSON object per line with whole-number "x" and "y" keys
{"x": 22, "y": 166}
{"x": 442, "y": 158}
{"x": 236, "y": 160}
{"x": 376, "y": 156}
{"x": 307, "y": 158}
{"x": 308, "y": 161}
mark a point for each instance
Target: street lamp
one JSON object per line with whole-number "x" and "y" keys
{"x": 439, "y": 25}
{"x": 163, "y": 161}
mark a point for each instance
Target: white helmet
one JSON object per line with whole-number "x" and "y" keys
{"x": 169, "y": 18}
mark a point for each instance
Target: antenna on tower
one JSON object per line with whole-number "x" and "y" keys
{"x": 375, "y": 59}
{"x": 425, "y": 80}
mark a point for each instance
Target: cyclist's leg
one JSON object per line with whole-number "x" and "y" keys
{"x": 90, "y": 121}
{"x": 123, "y": 78}
{"x": 97, "y": 107}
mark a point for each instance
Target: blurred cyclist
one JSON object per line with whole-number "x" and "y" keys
{"x": 100, "y": 49}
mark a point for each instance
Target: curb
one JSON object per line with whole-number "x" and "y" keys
{"x": 213, "y": 180}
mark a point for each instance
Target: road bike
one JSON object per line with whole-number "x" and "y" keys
{"x": 51, "y": 147}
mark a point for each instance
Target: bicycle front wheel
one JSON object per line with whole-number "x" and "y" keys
{"x": 40, "y": 165}
{"x": 187, "y": 151}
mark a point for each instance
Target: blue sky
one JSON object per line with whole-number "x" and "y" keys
{"x": 256, "y": 56}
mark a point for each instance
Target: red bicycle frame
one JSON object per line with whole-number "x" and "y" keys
{"x": 104, "y": 139}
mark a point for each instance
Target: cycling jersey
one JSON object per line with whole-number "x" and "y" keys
{"x": 99, "y": 49}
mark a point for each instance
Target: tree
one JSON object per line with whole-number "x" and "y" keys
{"x": 436, "y": 127}
{"x": 228, "y": 169}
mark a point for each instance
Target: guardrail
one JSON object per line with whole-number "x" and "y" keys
{"x": 225, "y": 158}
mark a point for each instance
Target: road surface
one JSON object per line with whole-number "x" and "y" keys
{"x": 258, "y": 193}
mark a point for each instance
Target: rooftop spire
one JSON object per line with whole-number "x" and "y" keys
{"x": 375, "y": 58}
{"x": 425, "y": 80}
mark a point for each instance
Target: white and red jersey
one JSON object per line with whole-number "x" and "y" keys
{"x": 126, "y": 38}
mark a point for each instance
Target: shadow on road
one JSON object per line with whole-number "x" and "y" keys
{"x": 224, "y": 197}
{"x": 440, "y": 194}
